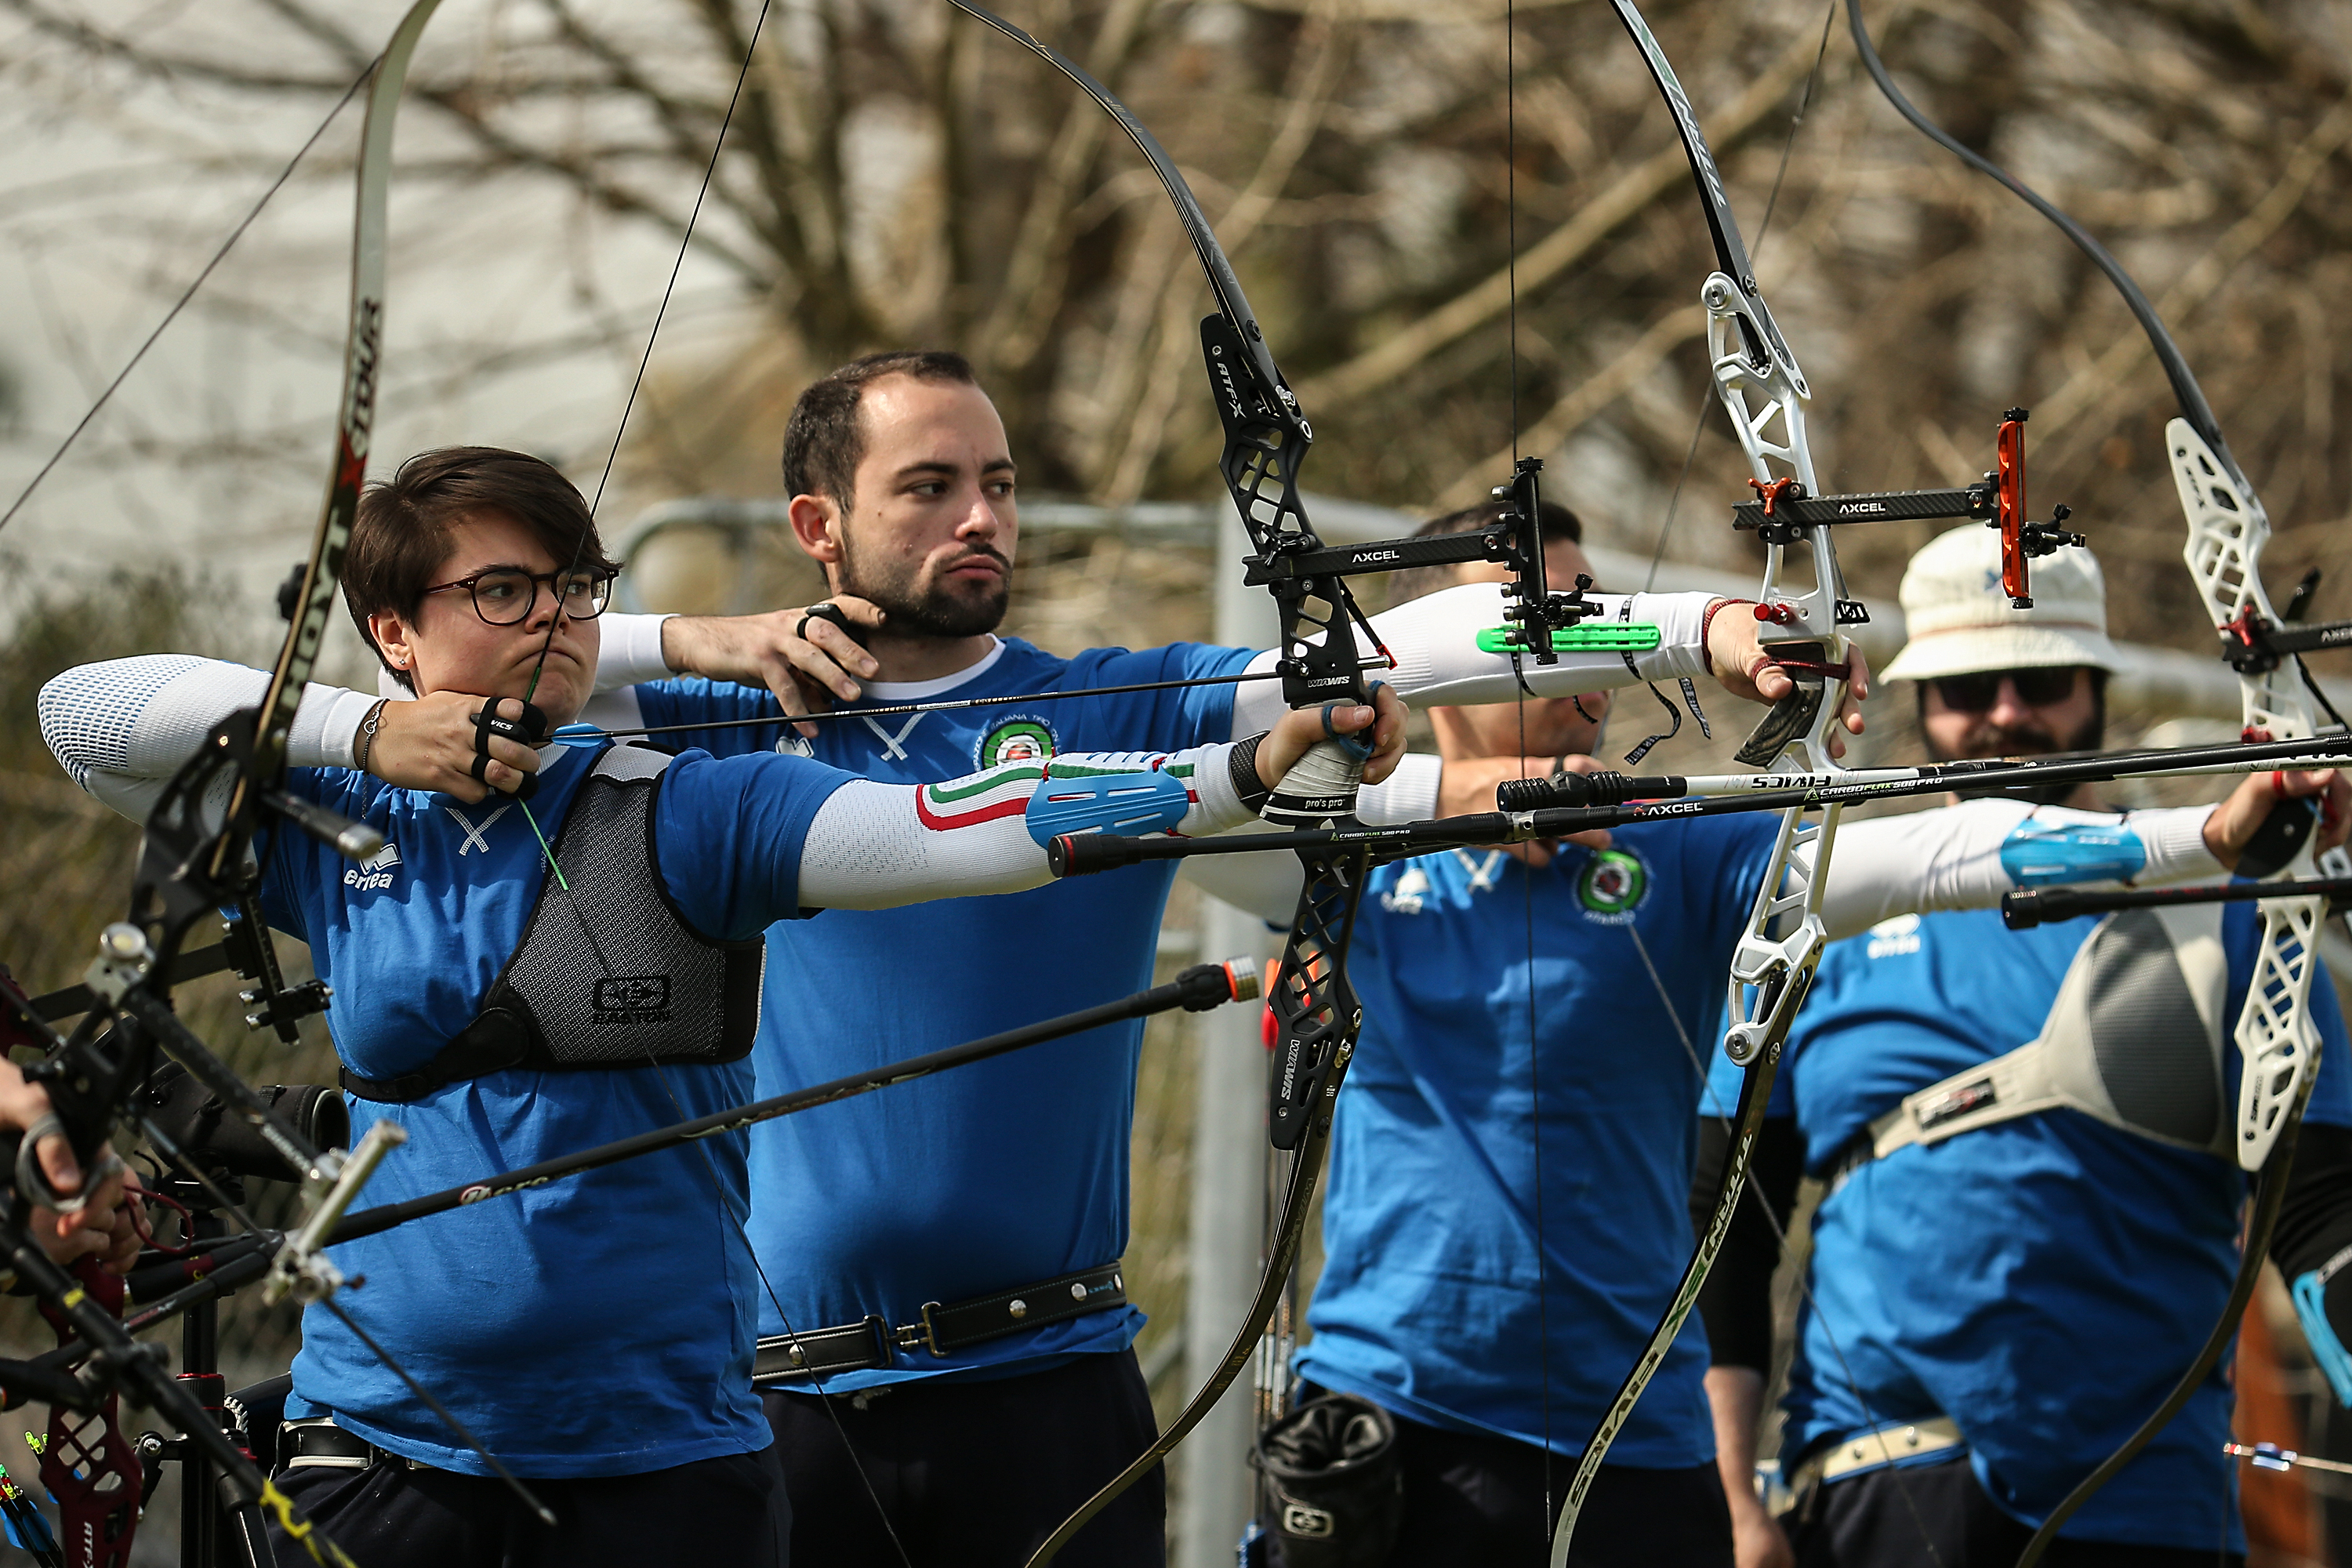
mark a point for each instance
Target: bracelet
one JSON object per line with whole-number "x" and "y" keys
{"x": 365, "y": 741}
{"x": 1707, "y": 626}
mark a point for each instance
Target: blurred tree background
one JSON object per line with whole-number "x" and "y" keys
{"x": 1466, "y": 225}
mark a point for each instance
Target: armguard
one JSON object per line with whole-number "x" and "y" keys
{"x": 1130, "y": 804}
{"x": 2036, "y": 855}
{"x": 2310, "y": 1293}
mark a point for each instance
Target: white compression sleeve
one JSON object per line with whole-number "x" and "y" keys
{"x": 1966, "y": 857}
{"x": 1407, "y": 794}
{"x": 1436, "y": 641}
{"x": 630, "y": 651}
{"x": 876, "y": 846}
{"x": 121, "y": 729}
{"x": 1959, "y": 858}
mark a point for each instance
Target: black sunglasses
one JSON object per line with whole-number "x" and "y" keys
{"x": 1975, "y": 693}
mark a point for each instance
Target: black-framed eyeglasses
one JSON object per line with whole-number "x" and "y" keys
{"x": 506, "y": 595}
{"x": 1976, "y": 692}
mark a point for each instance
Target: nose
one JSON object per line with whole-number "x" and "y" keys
{"x": 986, "y": 518}
{"x": 2008, "y": 710}
{"x": 546, "y": 609}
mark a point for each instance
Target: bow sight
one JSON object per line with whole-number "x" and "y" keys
{"x": 1783, "y": 512}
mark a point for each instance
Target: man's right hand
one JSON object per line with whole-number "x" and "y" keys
{"x": 807, "y": 673}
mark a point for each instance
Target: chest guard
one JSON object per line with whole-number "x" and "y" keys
{"x": 2134, "y": 1039}
{"x": 608, "y": 975}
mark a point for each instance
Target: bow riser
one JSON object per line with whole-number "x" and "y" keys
{"x": 1770, "y": 974}
{"x": 2277, "y": 1042}
{"x": 86, "y": 1464}
{"x": 1317, "y": 1016}
{"x": 1260, "y": 464}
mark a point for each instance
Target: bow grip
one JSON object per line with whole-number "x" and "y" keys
{"x": 1320, "y": 786}
{"x": 2280, "y": 839}
{"x": 83, "y": 1134}
{"x": 1793, "y": 716}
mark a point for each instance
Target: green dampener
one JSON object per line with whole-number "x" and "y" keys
{"x": 1612, "y": 637}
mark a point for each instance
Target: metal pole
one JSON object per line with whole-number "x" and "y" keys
{"x": 1214, "y": 1494}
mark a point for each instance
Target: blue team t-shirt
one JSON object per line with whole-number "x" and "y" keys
{"x": 1429, "y": 1302}
{"x": 996, "y": 1175}
{"x": 601, "y": 1324}
{"x": 2041, "y": 1281}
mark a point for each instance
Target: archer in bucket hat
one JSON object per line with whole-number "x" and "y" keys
{"x": 1959, "y": 620}
{"x": 1991, "y": 1269}
{"x": 1995, "y": 681}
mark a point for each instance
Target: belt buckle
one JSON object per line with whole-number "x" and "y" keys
{"x": 926, "y": 1333}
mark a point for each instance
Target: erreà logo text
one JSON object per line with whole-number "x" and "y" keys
{"x": 374, "y": 873}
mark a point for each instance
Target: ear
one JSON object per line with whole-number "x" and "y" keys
{"x": 395, "y": 639}
{"x": 817, "y": 526}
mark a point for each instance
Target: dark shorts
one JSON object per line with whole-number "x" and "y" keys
{"x": 1486, "y": 1500}
{"x": 973, "y": 1473}
{"x": 1886, "y": 1519}
{"x": 730, "y": 1510}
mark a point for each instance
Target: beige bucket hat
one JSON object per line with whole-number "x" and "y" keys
{"x": 1960, "y": 622}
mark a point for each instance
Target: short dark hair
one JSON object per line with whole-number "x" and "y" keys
{"x": 823, "y": 441}
{"x": 1554, "y": 521}
{"x": 401, "y": 535}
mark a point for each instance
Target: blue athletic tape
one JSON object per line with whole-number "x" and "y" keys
{"x": 2036, "y": 856}
{"x": 1130, "y": 804}
{"x": 1357, "y": 745}
{"x": 2311, "y": 1307}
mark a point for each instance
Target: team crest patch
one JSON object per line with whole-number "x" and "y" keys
{"x": 1612, "y": 886}
{"x": 1016, "y": 740}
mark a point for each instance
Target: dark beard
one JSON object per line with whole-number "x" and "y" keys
{"x": 908, "y": 614}
{"x": 2029, "y": 740}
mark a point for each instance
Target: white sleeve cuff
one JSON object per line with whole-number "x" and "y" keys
{"x": 327, "y": 727}
{"x": 1215, "y": 805}
{"x": 2175, "y": 841}
{"x": 1682, "y": 623}
{"x": 632, "y": 651}
{"x": 1407, "y": 794}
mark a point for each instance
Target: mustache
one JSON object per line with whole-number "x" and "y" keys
{"x": 980, "y": 552}
{"x": 2011, "y": 741}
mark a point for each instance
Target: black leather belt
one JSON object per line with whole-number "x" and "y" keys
{"x": 315, "y": 1442}
{"x": 944, "y": 1327}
